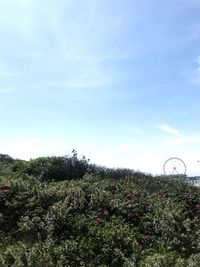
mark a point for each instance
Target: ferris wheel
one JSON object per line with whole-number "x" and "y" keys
{"x": 174, "y": 167}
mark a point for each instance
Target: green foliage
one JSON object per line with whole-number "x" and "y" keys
{"x": 70, "y": 167}
{"x": 127, "y": 221}
{"x": 6, "y": 163}
{"x": 163, "y": 259}
{"x": 4, "y": 158}
{"x": 54, "y": 168}
{"x": 194, "y": 260}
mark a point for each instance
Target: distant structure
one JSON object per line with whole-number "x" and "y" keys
{"x": 175, "y": 167}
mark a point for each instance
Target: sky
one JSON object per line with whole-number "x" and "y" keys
{"x": 118, "y": 81}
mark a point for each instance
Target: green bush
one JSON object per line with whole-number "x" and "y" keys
{"x": 54, "y": 168}
{"x": 93, "y": 221}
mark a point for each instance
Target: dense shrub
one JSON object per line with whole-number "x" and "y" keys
{"x": 54, "y": 168}
{"x": 4, "y": 158}
{"x": 70, "y": 167}
{"x": 137, "y": 221}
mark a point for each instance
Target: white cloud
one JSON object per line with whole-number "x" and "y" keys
{"x": 134, "y": 158}
{"x": 70, "y": 38}
{"x": 195, "y": 77}
{"x": 189, "y": 3}
{"x": 135, "y": 131}
{"x": 168, "y": 129}
{"x": 126, "y": 147}
{"x": 8, "y": 74}
{"x": 16, "y": 17}
{"x": 198, "y": 60}
{"x": 6, "y": 90}
{"x": 85, "y": 79}
{"x": 21, "y": 148}
{"x": 5, "y": 71}
{"x": 36, "y": 55}
{"x": 183, "y": 140}
{"x": 198, "y": 68}
{"x": 75, "y": 34}
{"x": 33, "y": 147}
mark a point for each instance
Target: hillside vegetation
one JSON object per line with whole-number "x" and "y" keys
{"x": 64, "y": 211}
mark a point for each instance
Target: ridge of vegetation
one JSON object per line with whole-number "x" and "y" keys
{"x": 64, "y": 211}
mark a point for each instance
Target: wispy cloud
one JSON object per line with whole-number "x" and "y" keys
{"x": 126, "y": 147}
{"x": 170, "y": 130}
{"x": 36, "y": 55}
{"x": 136, "y": 131}
{"x": 198, "y": 60}
{"x": 195, "y": 79}
{"x": 16, "y": 18}
{"x": 6, "y": 90}
{"x": 6, "y": 72}
{"x": 198, "y": 67}
{"x": 69, "y": 41}
{"x": 85, "y": 79}
{"x": 183, "y": 140}
{"x": 189, "y": 3}
{"x": 75, "y": 36}
{"x": 32, "y": 147}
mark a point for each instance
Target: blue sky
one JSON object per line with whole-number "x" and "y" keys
{"x": 119, "y": 81}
